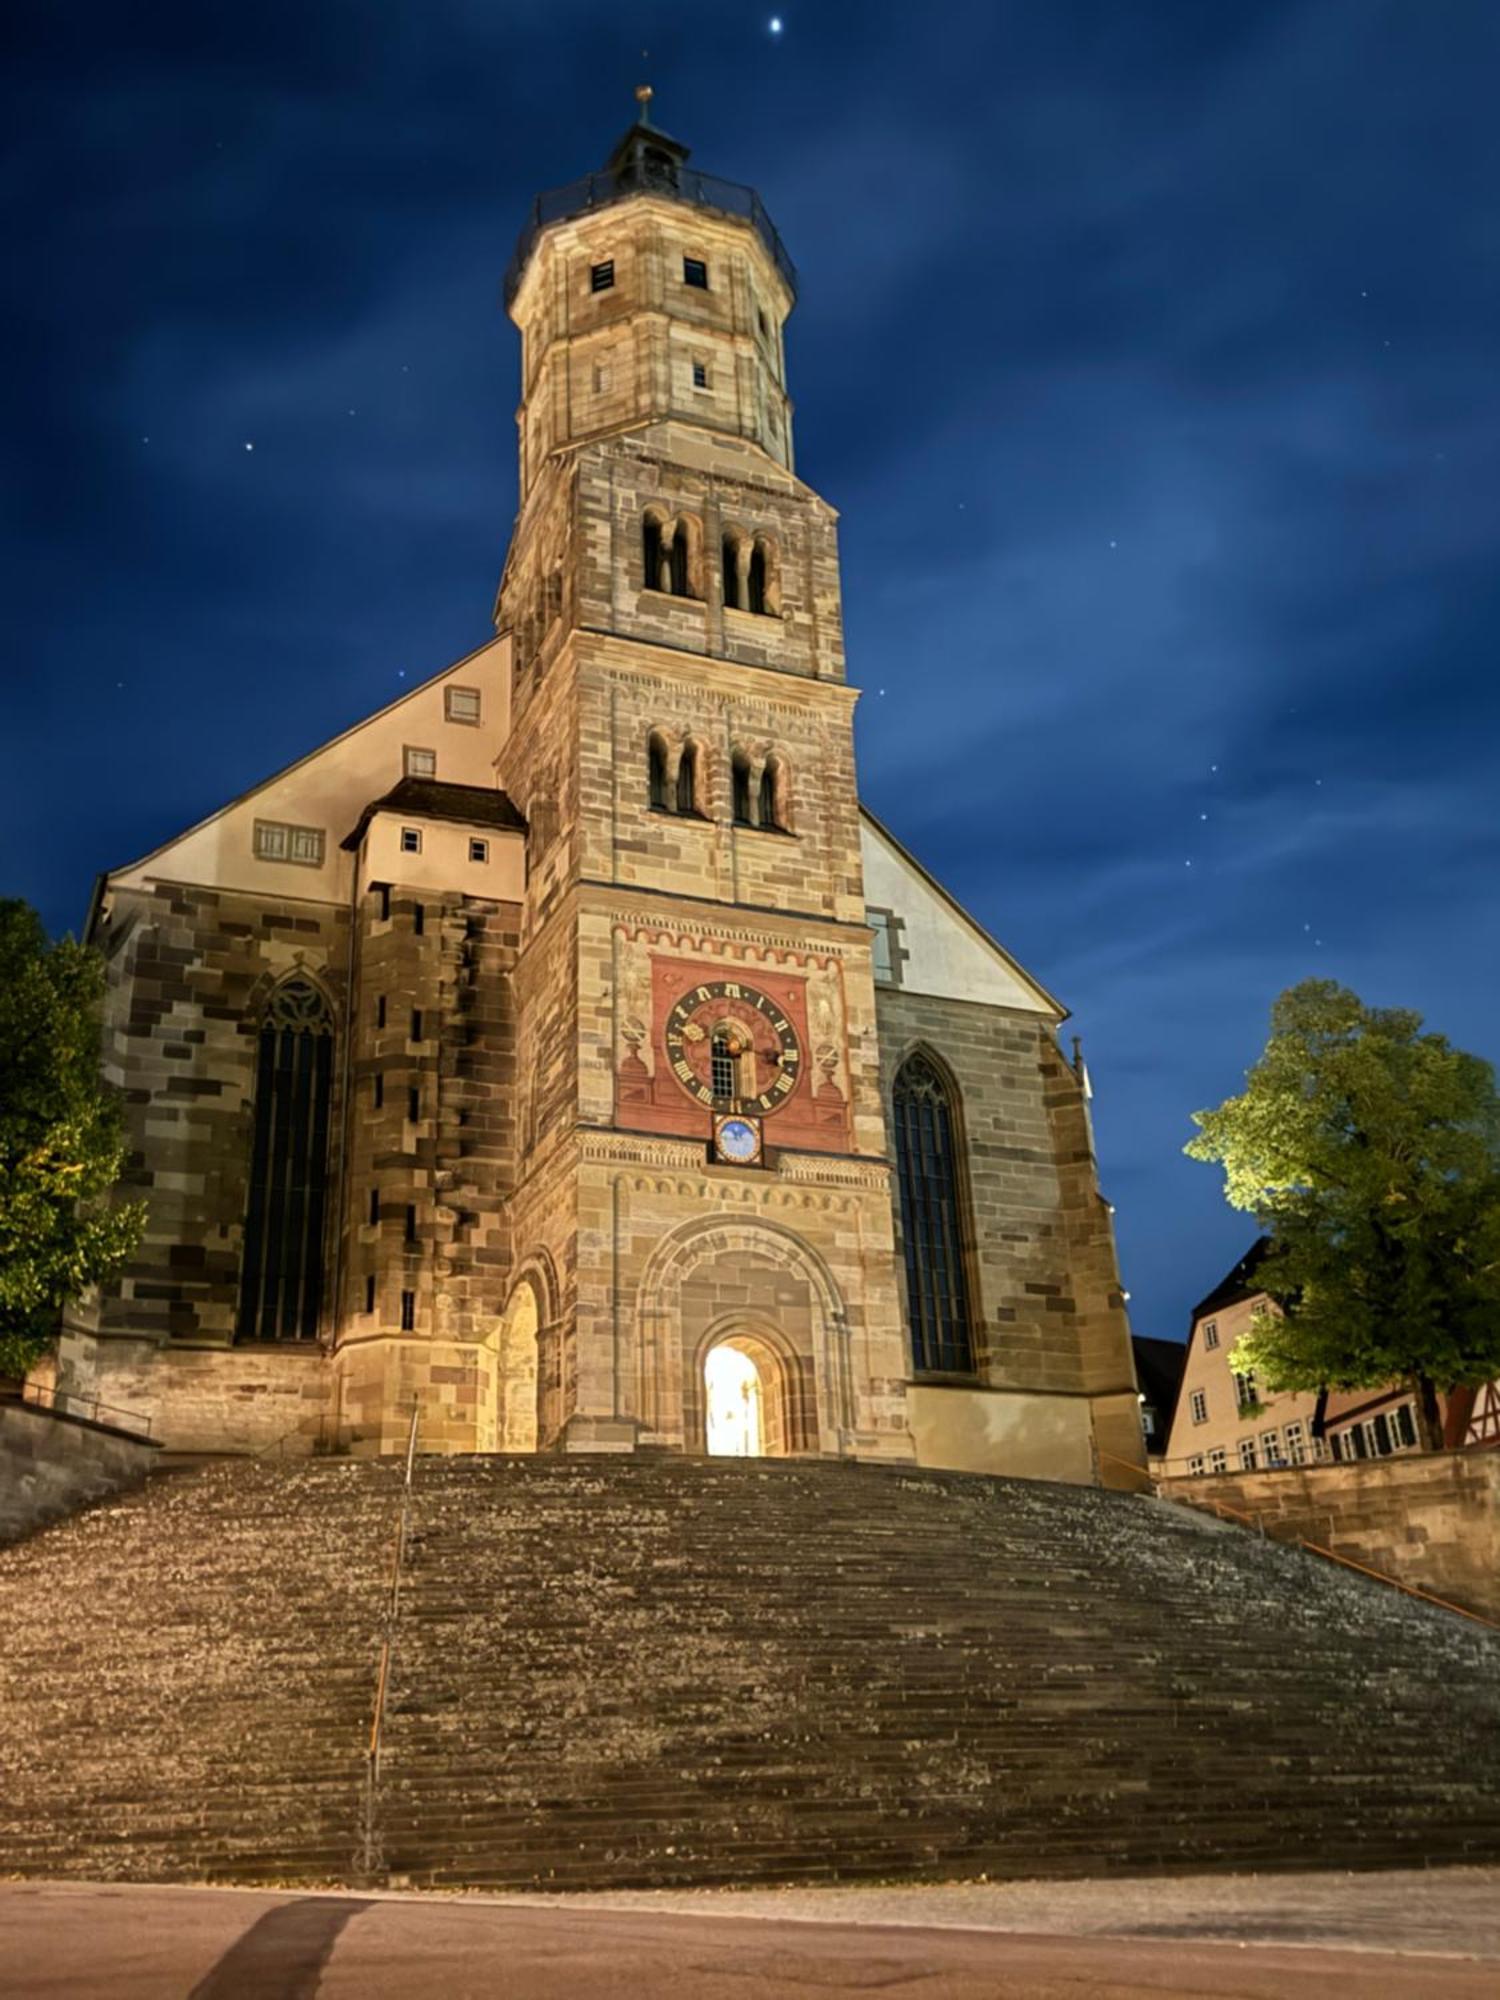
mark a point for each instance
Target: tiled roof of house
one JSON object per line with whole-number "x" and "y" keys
{"x": 430, "y": 798}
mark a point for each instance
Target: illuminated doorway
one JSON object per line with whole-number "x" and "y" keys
{"x": 732, "y": 1403}
{"x": 518, "y": 1373}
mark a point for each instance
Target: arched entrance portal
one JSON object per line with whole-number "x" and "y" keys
{"x": 517, "y": 1385}
{"x": 744, "y": 1399}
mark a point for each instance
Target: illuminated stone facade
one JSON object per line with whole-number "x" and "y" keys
{"x": 528, "y": 908}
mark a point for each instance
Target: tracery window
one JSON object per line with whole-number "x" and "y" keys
{"x": 281, "y": 1271}
{"x": 933, "y": 1221}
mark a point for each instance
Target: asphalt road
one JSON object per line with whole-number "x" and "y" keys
{"x": 111, "y": 1942}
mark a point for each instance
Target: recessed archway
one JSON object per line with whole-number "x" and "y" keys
{"x": 744, "y": 1399}
{"x": 517, "y": 1372}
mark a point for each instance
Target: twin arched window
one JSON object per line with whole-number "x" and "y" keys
{"x": 281, "y": 1269}
{"x": 669, "y": 552}
{"x": 751, "y": 582}
{"x": 668, "y": 792}
{"x": 935, "y": 1226}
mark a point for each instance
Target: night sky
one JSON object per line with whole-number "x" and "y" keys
{"x": 1151, "y": 353}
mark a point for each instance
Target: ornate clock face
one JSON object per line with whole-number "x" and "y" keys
{"x": 737, "y": 1140}
{"x": 731, "y": 1047}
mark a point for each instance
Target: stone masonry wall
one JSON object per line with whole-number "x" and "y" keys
{"x": 1048, "y": 1309}
{"x": 1432, "y": 1521}
{"x": 50, "y": 1465}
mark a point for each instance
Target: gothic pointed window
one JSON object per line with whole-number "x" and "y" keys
{"x": 772, "y": 801}
{"x": 934, "y": 1224}
{"x": 740, "y": 775}
{"x": 657, "y": 778}
{"x": 687, "y": 779}
{"x": 281, "y": 1271}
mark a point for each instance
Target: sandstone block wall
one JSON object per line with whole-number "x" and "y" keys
{"x": 1432, "y": 1521}
{"x": 50, "y": 1465}
{"x": 1047, "y": 1305}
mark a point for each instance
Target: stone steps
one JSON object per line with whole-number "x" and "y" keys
{"x": 632, "y": 1671}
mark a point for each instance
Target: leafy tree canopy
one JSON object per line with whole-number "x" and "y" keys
{"x": 60, "y": 1143}
{"x": 1369, "y": 1153}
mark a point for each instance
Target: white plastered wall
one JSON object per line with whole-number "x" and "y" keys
{"x": 331, "y": 787}
{"x": 948, "y": 955}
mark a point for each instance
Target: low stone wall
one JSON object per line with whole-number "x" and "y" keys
{"x": 51, "y": 1465}
{"x": 1429, "y": 1520}
{"x": 210, "y": 1399}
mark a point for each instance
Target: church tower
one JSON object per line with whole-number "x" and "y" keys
{"x": 703, "y": 1207}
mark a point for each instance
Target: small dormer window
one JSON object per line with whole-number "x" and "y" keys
{"x": 695, "y": 273}
{"x": 602, "y": 276}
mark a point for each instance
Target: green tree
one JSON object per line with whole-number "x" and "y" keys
{"x": 1369, "y": 1153}
{"x": 60, "y": 1141}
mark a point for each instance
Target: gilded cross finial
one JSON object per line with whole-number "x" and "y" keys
{"x": 643, "y": 97}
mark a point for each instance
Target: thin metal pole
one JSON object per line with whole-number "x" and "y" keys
{"x": 387, "y": 1647}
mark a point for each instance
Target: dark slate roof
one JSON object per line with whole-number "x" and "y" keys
{"x": 1240, "y": 1283}
{"x": 1158, "y": 1370}
{"x": 430, "y": 798}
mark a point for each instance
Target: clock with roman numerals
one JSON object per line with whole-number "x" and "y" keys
{"x": 732, "y": 1048}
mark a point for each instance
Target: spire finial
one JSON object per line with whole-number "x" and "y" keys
{"x": 643, "y": 96}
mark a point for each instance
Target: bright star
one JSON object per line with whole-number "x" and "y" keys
{"x": 775, "y": 24}
{"x": 249, "y": 447}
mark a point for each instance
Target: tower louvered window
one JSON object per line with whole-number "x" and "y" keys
{"x": 933, "y": 1227}
{"x": 281, "y": 1275}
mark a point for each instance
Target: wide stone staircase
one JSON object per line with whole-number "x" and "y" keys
{"x": 657, "y": 1670}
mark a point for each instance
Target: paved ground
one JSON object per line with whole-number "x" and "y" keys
{"x": 1377, "y": 1937}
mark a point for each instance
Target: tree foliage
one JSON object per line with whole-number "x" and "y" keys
{"x": 1369, "y": 1153}
{"x": 60, "y": 1141}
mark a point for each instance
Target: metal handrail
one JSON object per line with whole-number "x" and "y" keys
{"x": 681, "y": 183}
{"x": 1222, "y": 1510}
{"x": 68, "y": 1403}
{"x": 387, "y": 1646}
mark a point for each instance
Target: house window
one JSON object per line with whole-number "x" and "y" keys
{"x": 1198, "y": 1404}
{"x": 419, "y": 763}
{"x": 411, "y": 840}
{"x": 1218, "y": 1459}
{"x": 934, "y": 1224}
{"x": 370, "y": 1293}
{"x": 1210, "y": 1333}
{"x": 479, "y": 850}
{"x": 281, "y": 1271}
{"x": 408, "y": 1311}
{"x": 1148, "y": 1421}
{"x": 602, "y": 276}
{"x": 1244, "y": 1389}
{"x": 695, "y": 273}
{"x": 1296, "y": 1444}
{"x": 461, "y": 704}
{"x": 700, "y": 375}
{"x": 1247, "y": 1454}
{"x": 1270, "y": 1444}
{"x": 274, "y": 840}
{"x": 1195, "y": 1463}
{"x": 1404, "y": 1423}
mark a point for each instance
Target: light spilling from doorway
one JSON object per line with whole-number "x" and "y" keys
{"x": 732, "y": 1395}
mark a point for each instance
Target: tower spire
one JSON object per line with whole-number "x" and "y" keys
{"x": 643, "y": 96}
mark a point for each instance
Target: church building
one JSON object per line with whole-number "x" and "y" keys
{"x": 563, "y": 1049}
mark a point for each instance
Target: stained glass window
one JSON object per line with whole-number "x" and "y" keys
{"x": 281, "y": 1273}
{"x": 932, "y": 1220}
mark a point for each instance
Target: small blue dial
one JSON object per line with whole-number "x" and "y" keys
{"x": 738, "y": 1139}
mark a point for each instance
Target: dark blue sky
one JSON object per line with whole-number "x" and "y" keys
{"x": 1148, "y": 347}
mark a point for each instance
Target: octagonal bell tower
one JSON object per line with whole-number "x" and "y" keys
{"x": 641, "y": 294}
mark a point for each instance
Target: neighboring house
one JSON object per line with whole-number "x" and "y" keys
{"x": 1226, "y": 1422}
{"x": 1158, "y": 1373}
